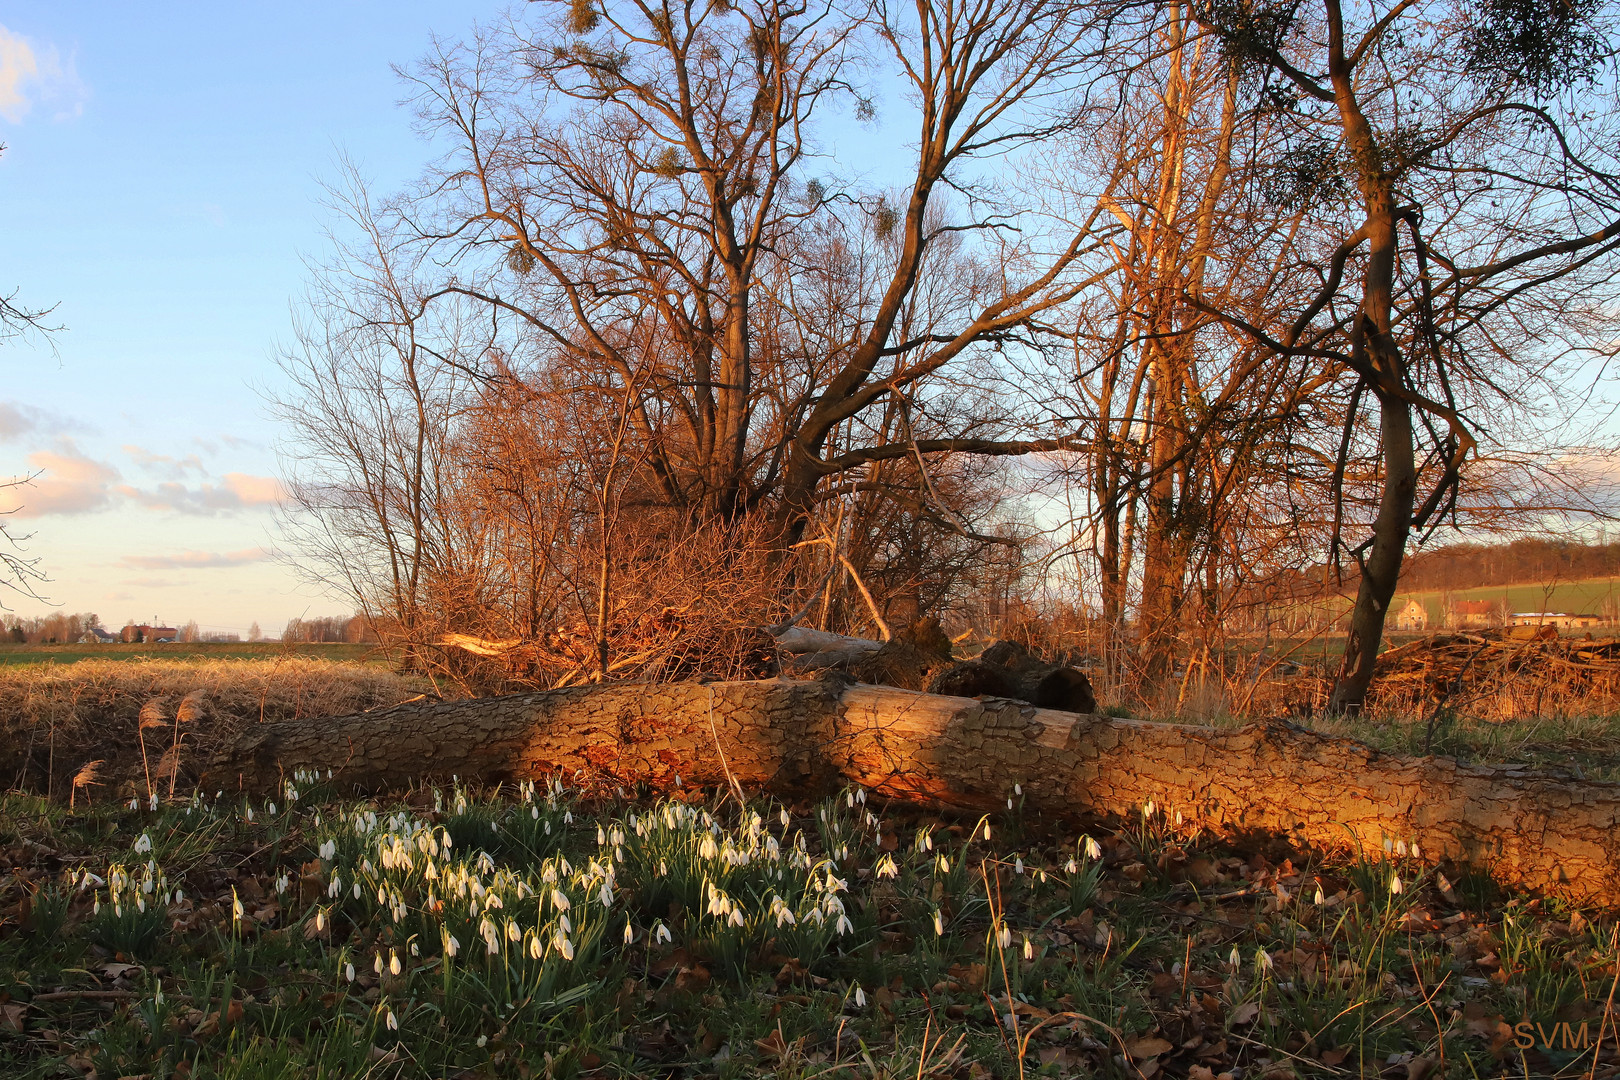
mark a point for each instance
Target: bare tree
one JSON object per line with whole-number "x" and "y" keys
{"x": 1459, "y": 159}
{"x": 372, "y": 392}
{"x": 652, "y": 172}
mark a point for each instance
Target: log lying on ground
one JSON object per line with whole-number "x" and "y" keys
{"x": 1538, "y": 829}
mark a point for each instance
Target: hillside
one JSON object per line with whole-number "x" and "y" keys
{"x": 1600, "y": 595}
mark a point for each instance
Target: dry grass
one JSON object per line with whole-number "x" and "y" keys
{"x": 56, "y": 718}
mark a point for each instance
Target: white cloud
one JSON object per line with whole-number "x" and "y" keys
{"x": 18, "y": 420}
{"x": 194, "y": 560}
{"x": 163, "y": 464}
{"x": 153, "y": 583}
{"x": 239, "y": 491}
{"x": 69, "y": 483}
{"x": 33, "y": 73}
{"x": 255, "y": 490}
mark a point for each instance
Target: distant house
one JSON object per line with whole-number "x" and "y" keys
{"x": 150, "y": 634}
{"x": 1475, "y": 614}
{"x": 97, "y": 636}
{"x": 1413, "y": 618}
{"x": 1564, "y": 620}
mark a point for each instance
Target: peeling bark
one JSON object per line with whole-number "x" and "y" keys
{"x": 1533, "y": 828}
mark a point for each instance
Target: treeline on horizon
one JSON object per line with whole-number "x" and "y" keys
{"x": 62, "y": 628}
{"x": 1530, "y": 561}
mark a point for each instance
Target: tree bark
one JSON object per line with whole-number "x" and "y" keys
{"x": 1539, "y": 829}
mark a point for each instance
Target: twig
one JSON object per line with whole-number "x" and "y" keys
{"x": 98, "y": 995}
{"x": 736, "y": 788}
{"x": 871, "y": 604}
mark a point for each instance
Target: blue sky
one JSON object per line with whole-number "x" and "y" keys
{"x": 161, "y": 183}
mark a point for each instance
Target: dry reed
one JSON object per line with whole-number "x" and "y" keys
{"x": 56, "y": 717}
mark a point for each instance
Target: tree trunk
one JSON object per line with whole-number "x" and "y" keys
{"x": 1381, "y": 572}
{"x": 1538, "y": 829}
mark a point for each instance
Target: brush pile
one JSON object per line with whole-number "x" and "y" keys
{"x": 1501, "y": 674}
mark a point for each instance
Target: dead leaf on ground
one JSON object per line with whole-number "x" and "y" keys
{"x": 1152, "y": 1046}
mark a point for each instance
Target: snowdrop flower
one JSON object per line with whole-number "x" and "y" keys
{"x": 987, "y": 830}
{"x": 564, "y": 946}
{"x": 1415, "y": 853}
{"x": 629, "y": 934}
{"x": 144, "y": 844}
{"x": 1071, "y": 867}
{"x": 860, "y": 998}
{"x": 348, "y": 972}
{"x": 1262, "y": 961}
{"x": 886, "y": 867}
{"x": 452, "y": 944}
{"x": 1093, "y": 849}
{"x": 483, "y": 1040}
{"x": 1009, "y": 804}
{"x": 1018, "y": 789}
{"x": 1395, "y": 884}
{"x": 662, "y": 934}
{"x": 250, "y": 812}
{"x": 272, "y": 809}
{"x": 1029, "y": 948}
{"x": 377, "y": 966}
{"x": 1004, "y": 937}
{"x": 236, "y": 906}
{"x": 393, "y": 1025}
{"x": 1400, "y": 848}
{"x": 320, "y": 919}
{"x": 135, "y": 804}
{"x": 329, "y": 850}
{"x": 393, "y": 962}
{"x": 356, "y": 890}
{"x": 154, "y": 803}
{"x": 1234, "y": 960}
{"x": 1018, "y": 865}
{"x": 939, "y": 924}
{"x": 559, "y": 901}
{"x": 1389, "y": 845}
{"x": 606, "y": 894}
{"x": 512, "y": 931}
{"x": 568, "y": 817}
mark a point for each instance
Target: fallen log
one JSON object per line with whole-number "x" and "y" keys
{"x": 1539, "y": 829}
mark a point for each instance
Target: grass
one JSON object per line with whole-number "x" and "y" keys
{"x": 522, "y": 932}
{"x": 55, "y": 719}
{"x": 72, "y": 654}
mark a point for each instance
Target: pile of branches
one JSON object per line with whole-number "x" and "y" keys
{"x": 1501, "y": 674}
